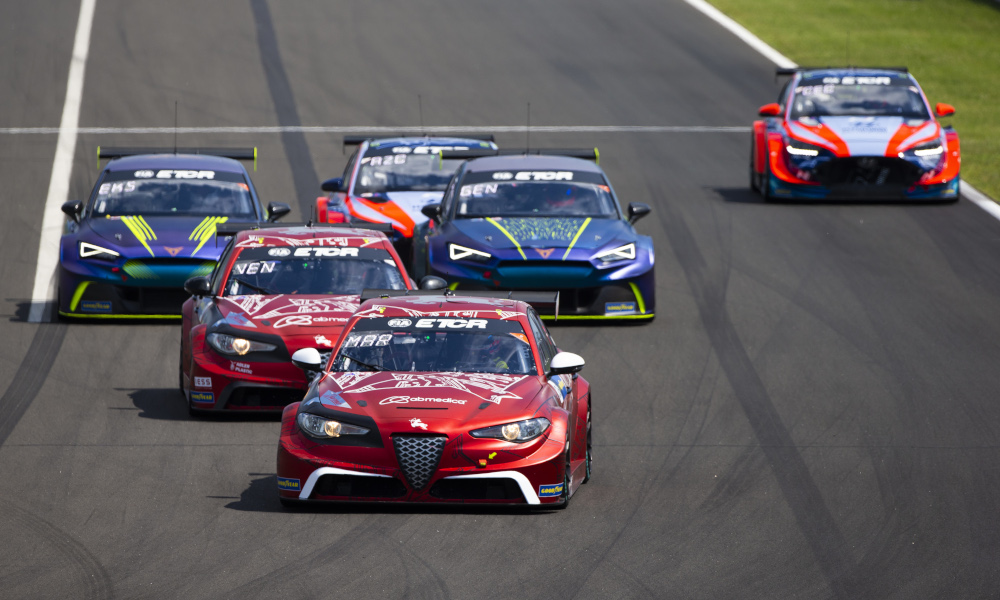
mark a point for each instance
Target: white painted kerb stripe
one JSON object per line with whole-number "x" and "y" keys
{"x": 62, "y": 168}
{"x": 972, "y": 194}
{"x": 436, "y": 130}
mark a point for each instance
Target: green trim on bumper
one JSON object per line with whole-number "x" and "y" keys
{"x": 596, "y": 317}
{"x": 98, "y": 316}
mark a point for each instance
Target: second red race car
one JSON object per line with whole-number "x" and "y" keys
{"x": 443, "y": 399}
{"x": 275, "y": 291}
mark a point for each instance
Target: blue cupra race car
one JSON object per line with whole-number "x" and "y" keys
{"x": 148, "y": 226}
{"x": 541, "y": 222}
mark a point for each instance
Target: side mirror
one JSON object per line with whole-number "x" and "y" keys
{"x": 637, "y": 210}
{"x": 431, "y": 211}
{"x": 332, "y": 185}
{"x": 431, "y": 282}
{"x": 276, "y": 210}
{"x": 565, "y": 363}
{"x": 770, "y": 110}
{"x": 944, "y": 110}
{"x": 307, "y": 359}
{"x": 198, "y": 286}
{"x": 73, "y": 209}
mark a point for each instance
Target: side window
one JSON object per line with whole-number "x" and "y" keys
{"x": 546, "y": 349}
{"x": 217, "y": 272}
{"x": 783, "y": 96}
{"x": 350, "y": 168}
{"x": 448, "y": 200}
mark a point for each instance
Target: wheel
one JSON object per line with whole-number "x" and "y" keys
{"x": 590, "y": 456}
{"x": 765, "y": 182}
{"x": 564, "y": 497}
{"x": 754, "y": 184}
{"x": 180, "y": 373}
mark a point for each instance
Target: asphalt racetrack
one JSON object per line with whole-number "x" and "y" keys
{"x": 812, "y": 414}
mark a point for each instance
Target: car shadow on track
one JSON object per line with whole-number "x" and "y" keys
{"x": 743, "y": 195}
{"x": 262, "y": 496}
{"x": 167, "y": 404}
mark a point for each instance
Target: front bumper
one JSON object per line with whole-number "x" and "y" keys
{"x": 216, "y": 384}
{"x": 367, "y": 474}
{"x": 626, "y": 293}
{"x": 126, "y": 288}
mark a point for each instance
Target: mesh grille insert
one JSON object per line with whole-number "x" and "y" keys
{"x": 418, "y": 457}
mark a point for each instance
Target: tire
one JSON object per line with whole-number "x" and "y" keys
{"x": 765, "y": 182}
{"x": 754, "y": 184}
{"x": 564, "y": 498}
{"x": 590, "y": 456}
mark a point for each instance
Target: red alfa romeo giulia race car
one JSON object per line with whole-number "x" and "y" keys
{"x": 275, "y": 290}
{"x": 434, "y": 397}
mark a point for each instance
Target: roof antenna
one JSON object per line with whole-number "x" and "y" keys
{"x": 527, "y": 132}
{"x": 420, "y": 109}
{"x": 175, "y": 127}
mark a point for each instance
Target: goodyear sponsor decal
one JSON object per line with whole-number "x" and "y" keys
{"x": 619, "y": 308}
{"x": 202, "y": 397}
{"x": 289, "y": 484}
{"x": 550, "y": 491}
{"x": 95, "y": 306}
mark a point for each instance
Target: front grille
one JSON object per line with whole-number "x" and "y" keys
{"x": 355, "y": 486}
{"x": 868, "y": 171}
{"x": 478, "y": 489}
{"x": 418, "y": 457}
{"x": 263, "y": 397}
{"x": 143, "y": 300}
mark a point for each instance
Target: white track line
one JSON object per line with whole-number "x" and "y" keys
{"x": 966, "y": 189}
{"x": 382, "y": 129}
{"x": 62, "y": 168}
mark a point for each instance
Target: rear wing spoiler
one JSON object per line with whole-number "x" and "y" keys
{"x": 788, "y": 72}
{"x": 231, "y": 229}
{"x": 543, "y": 302}
{"x": 113, "y": 152}
{"x": 355, "y": 140}
{"x": 585, "y": 153}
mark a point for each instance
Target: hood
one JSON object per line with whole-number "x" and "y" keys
{"x": 412, "y": 202}
{"x": 302, "y": 321}
{"x": 438, "y": 400}
{"x": 543, "y": 234}
{"x": 180, "y": 237}
{"x": 864, "y": 136}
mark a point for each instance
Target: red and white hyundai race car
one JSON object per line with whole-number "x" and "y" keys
{"x": 439, "y": 398}
{"x": 854, "y": 133}
{"x": 275, "y": 290}
{"x": 391, "y": 180}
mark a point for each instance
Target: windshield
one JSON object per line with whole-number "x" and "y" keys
{"x": 535, "y": 194}
{"x": 404, "y": 172}
{"x": 140, "y": 193}
{"x": 314, "y": 270}
{"x": 858, "y": 96}
{"x": 436, "y": 345}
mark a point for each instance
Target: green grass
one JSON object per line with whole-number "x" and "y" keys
{"x": 952, "y": 47}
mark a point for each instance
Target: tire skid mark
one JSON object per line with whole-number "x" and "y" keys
{"x": 800, "y": 491}
{"x": 97, "y": 583}
{"x": 294, "y": 140}
{"x": 30, "y": 376}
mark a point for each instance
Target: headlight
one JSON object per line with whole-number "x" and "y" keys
{"x": 626, "y": 252}
{"x": 456, "y": 252}
{"x": 234, "y": 346}
{"x": 327, "y": 428}
{"x": 800, "y": 149}
{"x": 928, "y": 150}
{"x": 521, "y": 431}
{"x": 88, "y": 250}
